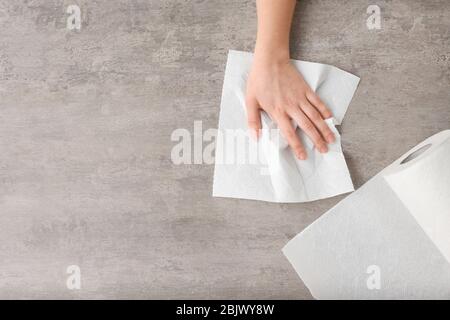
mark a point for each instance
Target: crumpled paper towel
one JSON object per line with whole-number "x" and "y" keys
{"x": 277, "y": 175}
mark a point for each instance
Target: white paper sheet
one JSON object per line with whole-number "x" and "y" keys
{"x": 395, "y": 230}
{"x": 277, "y": 175}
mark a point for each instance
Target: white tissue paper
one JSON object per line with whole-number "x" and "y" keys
{"x": 275, "y": 174}
{"x": 388, "y": 240}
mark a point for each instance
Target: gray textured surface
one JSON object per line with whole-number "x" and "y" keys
{"x": 85, "y": 124}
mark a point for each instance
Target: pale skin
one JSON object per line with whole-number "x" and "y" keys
{"x": 276, "y": 87}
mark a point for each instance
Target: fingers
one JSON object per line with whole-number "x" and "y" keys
{"x": 289, "y": 134}
{"x": 309, "y": 128}
{"x": 317, "y": 120}
{"x": 318, "y": 104}
{"x": 309, "y": 116}
{"x": 253, "y": 117}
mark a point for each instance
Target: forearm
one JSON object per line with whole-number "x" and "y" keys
{"x": 274, "y": 24}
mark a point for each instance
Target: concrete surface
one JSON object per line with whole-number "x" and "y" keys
{"x": 85, "y": 122}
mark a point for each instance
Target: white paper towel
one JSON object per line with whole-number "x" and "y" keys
{"x": 277, "y": 175}
{"x": 397, "y": 224}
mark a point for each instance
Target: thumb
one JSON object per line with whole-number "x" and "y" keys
{"x": 253, "y": 117}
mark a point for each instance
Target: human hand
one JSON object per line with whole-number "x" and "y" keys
{"x": 276, "y": 87}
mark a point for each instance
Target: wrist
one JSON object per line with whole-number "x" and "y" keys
{"x": 269, "y": 54}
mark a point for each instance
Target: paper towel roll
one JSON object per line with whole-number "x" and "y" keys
{"x": 421, "y": 180}
{"x": 387, "y": 240}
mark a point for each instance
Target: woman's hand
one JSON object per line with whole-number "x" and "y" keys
{"x": 276, "y": 87}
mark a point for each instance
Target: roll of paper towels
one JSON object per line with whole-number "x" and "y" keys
{"x": 388, "y": 240}
{"x": 421, "y": 180}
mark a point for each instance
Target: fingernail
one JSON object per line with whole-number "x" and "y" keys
{"x": 254, "y": 134}
{"x": 323, "y": 149}
{"x": 301, "y": 155}
{"x": 330, "y": 138}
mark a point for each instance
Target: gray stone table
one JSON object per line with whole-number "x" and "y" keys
{"x": 86, "y": 118}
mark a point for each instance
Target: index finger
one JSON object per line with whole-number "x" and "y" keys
{"x": 314, "y": 99}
